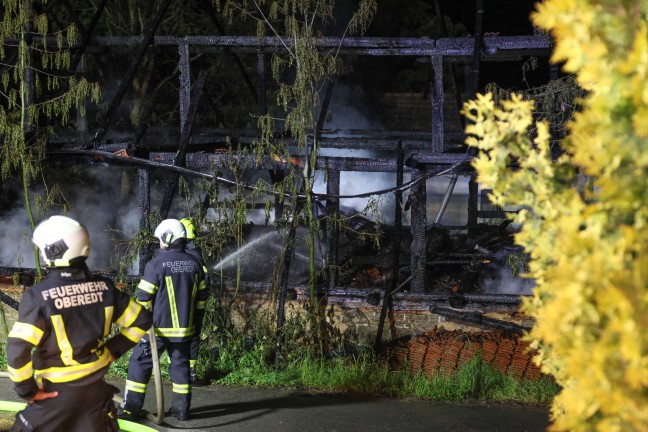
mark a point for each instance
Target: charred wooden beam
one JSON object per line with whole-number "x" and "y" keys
{"x": 473, "y": 81}
{"x": 145, "y": 251}
{"x": 401, "y": 301}
{"x": 93, "y": 157}
{"x": 8, "y": 300}
{"x": 184, "y": 99}
{"x": 480, "y": 319}
{"x": 398, "y": 223}
{"x": 261, "y": 83}
{"x": 418, "y": 224}
{"x": 332, "y": 227}
{"x": 328, "y": 92}
{"x": 422, "y": 159}
{"x": 441, "y": 165}
{"x": 473, "y": 195}
{"x": 210, "y": 139}
{"x": 180, "y": 156}
{"x": 453, "y": 67}
{"x": 205, "y": 160}
{"x": 493, "y": 47}
{"x": 437, "y": 99}
{"x": 427, "y": 298}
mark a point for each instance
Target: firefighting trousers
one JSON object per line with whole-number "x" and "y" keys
{"x": 75, "y": 409}
{"x": 193, "y": 351}
{"x": 140, "y": 367}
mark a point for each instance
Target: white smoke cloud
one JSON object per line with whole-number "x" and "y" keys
{"x": 498, "y": 276}
{"x": 348, "y": 112}
{"x": 104, "y": 201}
{"x": 503, "y": 282}
{"x": 17, "y": 249}
{"x": 356, "y": 183}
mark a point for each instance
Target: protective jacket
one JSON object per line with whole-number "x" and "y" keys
{"x": 191, "y": 248}
{"x": 67, "y": 318}
{"x": 174, "y": 285}
{"x": 195, "y": 341}
{"x": 197, "y": 253}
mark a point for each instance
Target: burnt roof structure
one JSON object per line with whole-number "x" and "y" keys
{"x": 188, "y": 141}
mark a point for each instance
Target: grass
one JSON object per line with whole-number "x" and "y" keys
{"x": 229, "y": 357}
{"x": 362, "y": 373}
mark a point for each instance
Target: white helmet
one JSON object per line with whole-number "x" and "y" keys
{"x": 61, "y": 241}
{"x": 169, "y": 231}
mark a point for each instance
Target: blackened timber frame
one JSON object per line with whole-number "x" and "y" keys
{"x": 438, "y": 51}
{"x": 493, "y": 47}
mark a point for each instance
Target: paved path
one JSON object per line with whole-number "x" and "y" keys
{"x": 233, "y": 409}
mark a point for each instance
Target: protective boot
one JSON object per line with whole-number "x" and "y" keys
{"x": 178, "y": 415}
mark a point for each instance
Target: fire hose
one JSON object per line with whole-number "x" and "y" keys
{"x": 159, "y": 394}
{"x": 124, "y": 425}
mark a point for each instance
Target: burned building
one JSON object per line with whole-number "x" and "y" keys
{"x": 183, "y": 105}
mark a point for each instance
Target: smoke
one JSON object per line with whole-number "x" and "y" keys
{"x": 15, "y": 232}
{"x": 347, "y": 111}
{"x": 503, "y": 282}
{"x": 101, "y": 198}
{"x": 498, "y": 276}
{"x": 355, "y": 183}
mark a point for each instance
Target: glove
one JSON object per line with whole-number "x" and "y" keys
{"x": 146, "y": 348}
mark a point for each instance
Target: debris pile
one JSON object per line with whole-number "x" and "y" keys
{"x": 444, "y": 352}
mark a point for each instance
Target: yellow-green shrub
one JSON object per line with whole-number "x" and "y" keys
{"x": 585, "y": 216}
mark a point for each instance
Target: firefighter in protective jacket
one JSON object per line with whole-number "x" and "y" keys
{"x": 60, "y": 348}
{"x": 191, "y": 248}
{"x": 174, "y": 287}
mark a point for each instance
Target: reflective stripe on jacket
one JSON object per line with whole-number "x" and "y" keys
{"x": 66, "y": 319}
{"x": 174, "y": 286}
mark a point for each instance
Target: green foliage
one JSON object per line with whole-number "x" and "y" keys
{"x": 119, "y": 368}
{"x": 32, "y": 95}
{"x": 364, "y": 373}
{"x": 556, "y": 102}
{"x": 246, "y": 354}
{"x": 3, "y": 355}
{"x": 300, "y": 70}
{"x": 127, "y": 251}
{"x": 476, "y": 380}
{"x": 584, "y": 215}
{"x": 518, "y": 263}
{"x": 3, "y": 325}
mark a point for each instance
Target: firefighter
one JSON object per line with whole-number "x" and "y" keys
{"x": 191, "y": 248}
{"x": 59, "y": 349}
{"x": 174, "y": 288}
